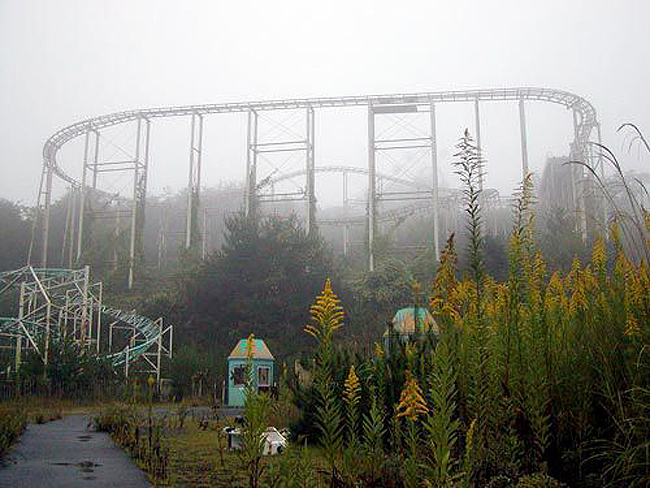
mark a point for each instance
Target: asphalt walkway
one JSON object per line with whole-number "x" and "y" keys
{"x": 68, "y": 453}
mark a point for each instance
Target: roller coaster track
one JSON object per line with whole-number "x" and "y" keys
{"x": 585, "y": 122}
{"x": 342, "y": 169}
{"x": 51, "y": 297}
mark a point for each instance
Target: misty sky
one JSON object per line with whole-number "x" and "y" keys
{"x": 62, "y": 61}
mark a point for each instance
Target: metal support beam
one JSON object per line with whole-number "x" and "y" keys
{"x": 140, "y": 166}
{"x": 68, "y": 239}
{"x": 204, "y": 237}
{"x": 82, "y": 197}
{"x": 372, "y": 193}
{"x": 73, "y": 225}
{"x": 601, "y": 170}
{"x": 19, "y": 337}
{"x": 159, "y": 350}
{"x": 96, "y": 159}
{"x": 310, "y": 165}
{"x": 99, "y": 316}
{"x": 346, "y": 201}
{"x": 194, "y": 179}
{"x": 477, "y": 126}
{"x": 251, "y": 163}
{"x": 434, "y": 188}
{"x": 46, "y": 214}
{"x": 524, "y": 141}
{"x": 577, "y": 177}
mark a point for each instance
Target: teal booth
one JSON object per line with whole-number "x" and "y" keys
{"x": 407, "y": 323}
{"x": 262, "y": 374}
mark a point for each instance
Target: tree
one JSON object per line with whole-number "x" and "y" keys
{"x": 261, "y": 281}
{"x": 15, "y": 225}
{"x": 560, "y": 242}
{"x": 379, "y": 294}
{"x": 71, "y": 370}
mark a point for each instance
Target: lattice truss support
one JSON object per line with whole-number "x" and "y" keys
{"x": 400, "y": 136}
{"x": 55, "y": 304}
{"x": 125, "y": 212}
{"x": 145, "y": 343}
{"x": 52, "y": 303}
{"x": 278, "y": 141}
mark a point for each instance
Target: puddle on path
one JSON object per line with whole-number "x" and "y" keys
{"x": 86, "y": 466}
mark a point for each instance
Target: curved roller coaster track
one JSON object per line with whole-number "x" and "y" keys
{"x": 586, "y": 123}
{"x": 54, "y": 303}
{"x": 378, "y": 106}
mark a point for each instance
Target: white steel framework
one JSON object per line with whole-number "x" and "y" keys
{"x": 583, "y": 112}
{"x": 57, "y": 303}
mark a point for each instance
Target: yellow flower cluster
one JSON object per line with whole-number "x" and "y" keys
{"x": 352, "y": 388}
{"x": 327, "y": 314}
{"x": 250, "y": 347}
{"x": 411, "y": 403}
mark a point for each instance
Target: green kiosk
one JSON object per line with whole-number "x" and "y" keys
{"x": 262, "y": 373}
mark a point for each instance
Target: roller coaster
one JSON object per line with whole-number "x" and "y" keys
{"x": 64, "y": 300}
{"x": 63, "y": 303}
{"x": 379, "y": 109}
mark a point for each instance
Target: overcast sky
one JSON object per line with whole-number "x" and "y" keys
{"x": 64, "y": 60}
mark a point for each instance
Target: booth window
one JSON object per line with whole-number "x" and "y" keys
{"x": 264, "y": 376}
{"x": 239, "y": 375}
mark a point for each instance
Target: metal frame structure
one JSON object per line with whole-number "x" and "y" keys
{"x": 50, "y": 302}
{"x": 584, "y": 122}
{"x": 57, "y": 303}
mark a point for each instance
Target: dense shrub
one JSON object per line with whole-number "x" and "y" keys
{"x": 12, "y": 424}
{"x": 540, "y": 378}
{"x": 72, "y": 371}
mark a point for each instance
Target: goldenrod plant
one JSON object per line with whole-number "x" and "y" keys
{"x": 441, "y": 424}
{"x": 257, "y": 408}
{"x": 327, "y": 316}
{"x": 352, "y": 396}
{"x": 540, "y": 378}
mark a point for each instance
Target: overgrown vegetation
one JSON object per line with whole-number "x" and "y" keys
{"x": 72, "y": 372}
{"x": 141, "y": 436}
{"x": 12, "y": 423}
{"x": 539, "y": 377}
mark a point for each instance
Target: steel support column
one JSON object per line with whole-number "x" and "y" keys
{"x": 434, "y": 188}
{"x": 204, "y": 237}
{"x": 577, "y": 177}
{"x": 73, "y": 225}
{"x": 46, "y": 214}
{"x": 601, "y": 170}
{"x": 82, "y": 195}
{"x": 477, "y": 126}
{"x": 251, "y": 163}
{"x": 96, "y": 159}
{"x": 140, "y": 166}
{"x": 524, "y": 141}
{"x": 194, "y": 179}
{"x": 372, "y": 193}
{"x": 67, "y": 238}
{"x": 346, "y": 228}
{"x": 310, "y": 166}
{"x": 19, "y": 337}
{"x": 91, "y": 161}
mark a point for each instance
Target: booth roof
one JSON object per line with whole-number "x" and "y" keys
{"x": 260, "y": 350}
{"x": 404, "y": 321}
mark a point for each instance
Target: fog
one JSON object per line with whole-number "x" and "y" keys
{"x": 63, "y": 61}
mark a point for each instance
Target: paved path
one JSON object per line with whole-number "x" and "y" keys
{"x": 68, "y": 453}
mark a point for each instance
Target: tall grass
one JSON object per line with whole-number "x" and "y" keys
{"x": 13, "y": 420}
{"x": 539, "y": 377}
